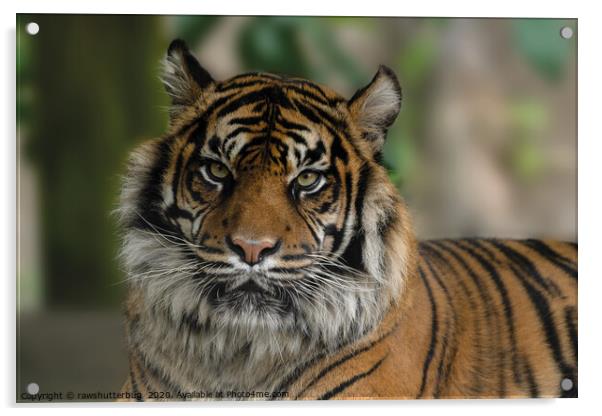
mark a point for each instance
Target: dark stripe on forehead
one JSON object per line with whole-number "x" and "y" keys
{"x": 243, "y": 99}
{"x": 242, "y": 85}
{"x": 314, "y": 155}
{"x": 307, "y": 112}
{"x": 245, "y": 80}
{"x": 309, "y": 88}
{"x": 307, "y": 84}
{"x": 307, "y": 94}
{"x": 214, "y": 145}
{"x": 220, "y": 101}
{"x": 298, "y": 85}
{"x": 261, "y": 145}
{"x": 270, "y": 93}
{"x": 247, "y": 121}
{"x": 337, "y": 128}
{"x": 296, "y": 137}
{"x": 290, "y": 125}
{"x": 229, "y": 148}
{"x": 334, "y": 121}
{"x": 239, "y": 130}
{"x": 260, "y": 107}
{"x": 230, "y": 103}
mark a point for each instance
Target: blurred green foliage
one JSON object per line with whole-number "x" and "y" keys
{"x": 273, "y": 43}
{"x": 539, "y": 41}
{"x": 193, "y": 29}
{"x": 528, "y": 118}
{"x": 281, "y": 44}
{"x": 24, "y": 69}
{"x": 414, "y": 65}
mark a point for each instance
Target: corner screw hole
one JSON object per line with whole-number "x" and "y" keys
{"x": 566, "y": 384}
{"x": 566, "y": 32}
{"x": 33, "y": 388}
{"x": 32, "y": 28}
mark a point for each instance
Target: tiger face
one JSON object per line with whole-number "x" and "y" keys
{"x": 264, "y": 205}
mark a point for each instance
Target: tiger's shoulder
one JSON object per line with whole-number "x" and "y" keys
{"x": 481, "y": 318}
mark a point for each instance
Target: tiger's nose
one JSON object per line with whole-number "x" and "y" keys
{"x": 253, "y": 251}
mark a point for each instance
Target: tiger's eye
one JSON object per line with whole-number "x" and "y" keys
{"x": 307, "y": 179}
{"x": 218, "y": 170}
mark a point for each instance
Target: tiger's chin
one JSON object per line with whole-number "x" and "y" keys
{"x": 251, "y": 303}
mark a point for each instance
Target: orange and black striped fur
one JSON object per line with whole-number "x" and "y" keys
{"x": 267, "y": 251}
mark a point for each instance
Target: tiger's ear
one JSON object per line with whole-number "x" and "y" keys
{"x": 184, "y": 78}
{"x": 376, "y": 106}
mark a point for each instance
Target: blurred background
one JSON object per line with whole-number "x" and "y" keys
{"x": 485, "y": 144}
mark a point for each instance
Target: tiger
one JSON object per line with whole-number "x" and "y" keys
{"x": 270, "y": 257}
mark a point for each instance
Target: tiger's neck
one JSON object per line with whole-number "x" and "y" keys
{"x": 214, "y": 361}
{"x": 182, "y": 357}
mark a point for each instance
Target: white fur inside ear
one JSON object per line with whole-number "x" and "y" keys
{"x": 380, "y": 104}
{"x": 375, "y": 107}
{"x": 178, "y": 84}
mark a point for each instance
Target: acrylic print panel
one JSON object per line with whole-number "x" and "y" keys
{"x": 296, "y": 208}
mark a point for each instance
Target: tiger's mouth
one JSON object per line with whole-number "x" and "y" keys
{"x": 250, "y": 293}
{"x": 250, "y": 286}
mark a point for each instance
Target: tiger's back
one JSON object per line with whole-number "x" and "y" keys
{"x": 484, "y": 318}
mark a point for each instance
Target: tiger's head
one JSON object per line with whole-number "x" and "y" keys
{"x": 264, "y": 206}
